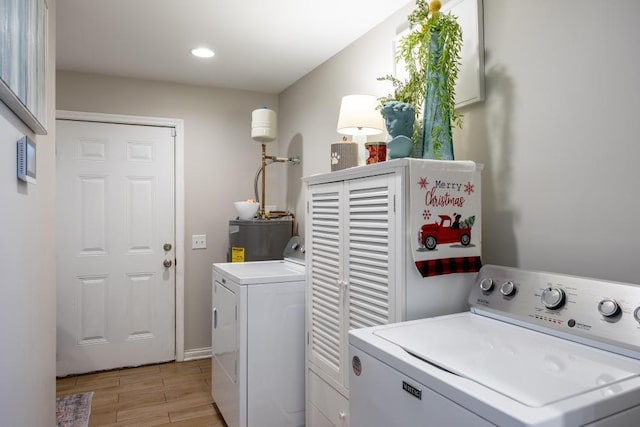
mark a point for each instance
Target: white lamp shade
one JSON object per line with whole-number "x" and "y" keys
{"x": 358, "y": 116}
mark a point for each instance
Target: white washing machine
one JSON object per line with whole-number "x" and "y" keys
{"x": 536, "y": 349}
{"x": 258, "y": 340}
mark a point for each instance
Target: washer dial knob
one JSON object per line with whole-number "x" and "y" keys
{"x": 507, "y": 288}
{"x": 486, "y": 284}
{"x": 608, "y": 307}
{"x": 553, "y": 298}
{"x": 636, "y": 314}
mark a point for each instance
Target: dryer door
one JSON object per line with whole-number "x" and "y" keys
{"x": 226, "y": 391}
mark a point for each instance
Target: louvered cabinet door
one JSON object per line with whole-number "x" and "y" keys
{"x": 370, "y": 254}
{"x": 371, "y": 250}
{"x": 325, "y": 290}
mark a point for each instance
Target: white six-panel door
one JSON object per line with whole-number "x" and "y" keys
{"x": 115, "y": 234}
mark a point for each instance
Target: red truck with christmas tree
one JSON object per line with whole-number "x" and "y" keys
{"x": 447, "y": 231}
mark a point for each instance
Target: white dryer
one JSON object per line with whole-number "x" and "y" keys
{"x": 258, "y": 340}
{"x": 536, "y": 349}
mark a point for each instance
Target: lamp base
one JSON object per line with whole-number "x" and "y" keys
{"x": 360, "y": 140}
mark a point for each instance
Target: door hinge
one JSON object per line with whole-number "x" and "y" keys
{"x": 174, "y": 133}
{"x": 307, "y": 206}
{"x": 394, "y": 202}
{"x": 236, "y": 312}
{"x": 307, "y": 339}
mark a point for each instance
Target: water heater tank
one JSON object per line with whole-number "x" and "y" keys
{"x": 264, "y": 125}
{"x": 258, "y": 240}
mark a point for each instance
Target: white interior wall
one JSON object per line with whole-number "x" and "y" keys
{"x": 27, "y": 262}
{"x": 557, "y": 133}
{"x": 309, "y": 108}
{"x": 221, "y": 160}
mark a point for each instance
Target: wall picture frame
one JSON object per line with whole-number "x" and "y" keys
{"x": 470, "y": 83}
{"x": 23, "y": 60}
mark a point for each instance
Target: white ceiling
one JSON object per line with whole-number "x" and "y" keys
{"x": 261, "y": 46}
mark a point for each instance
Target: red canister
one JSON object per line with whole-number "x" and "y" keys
{"x": 377, "y": 152}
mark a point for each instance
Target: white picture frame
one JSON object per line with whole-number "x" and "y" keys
{"x": 470, "y": 83}
{"x": 23, "y": 60}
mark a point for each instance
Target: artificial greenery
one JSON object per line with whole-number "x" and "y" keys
{"x": 422, "y": 63}
{"x": 410, "y": 91}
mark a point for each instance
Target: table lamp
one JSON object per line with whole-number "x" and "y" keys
{"x": 359, "y": 118}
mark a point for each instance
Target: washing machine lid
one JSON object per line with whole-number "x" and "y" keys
{"x": 530, "y": 367}
{"x": 259, "y": 272}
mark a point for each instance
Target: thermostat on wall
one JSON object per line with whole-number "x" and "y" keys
{"x": 27, "y": 159}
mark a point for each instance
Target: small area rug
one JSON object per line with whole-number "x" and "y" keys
{"x": 74, "y": 410}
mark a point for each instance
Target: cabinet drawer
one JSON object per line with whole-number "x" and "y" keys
{"x": 327, "y": 404}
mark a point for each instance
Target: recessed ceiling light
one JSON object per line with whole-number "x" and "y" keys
{"x": 202, "y": 52}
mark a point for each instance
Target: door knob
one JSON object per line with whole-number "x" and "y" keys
{"x": 167, "y": 263}
{"x": 167, "y": 247}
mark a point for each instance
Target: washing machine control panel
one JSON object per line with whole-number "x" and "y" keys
{"x": 597, "y": 310}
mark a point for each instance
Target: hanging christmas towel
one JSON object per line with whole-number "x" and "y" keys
{"x": 445, "y": 216}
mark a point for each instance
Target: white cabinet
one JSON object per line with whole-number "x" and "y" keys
{"x": 351, "y": 235}
{"x": 349, "y": 225}
{"x": 360, "y": 272}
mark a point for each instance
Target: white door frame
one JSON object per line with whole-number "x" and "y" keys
{"x": 178, "y": 125}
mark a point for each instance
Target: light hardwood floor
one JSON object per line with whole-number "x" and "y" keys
{"x": 169, "y": 394}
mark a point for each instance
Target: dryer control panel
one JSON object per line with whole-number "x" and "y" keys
{"x": 295, "y": 250}
{"x": 596, "y": 312}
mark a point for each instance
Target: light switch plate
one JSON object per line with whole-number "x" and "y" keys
{"x": 198, "y": 241}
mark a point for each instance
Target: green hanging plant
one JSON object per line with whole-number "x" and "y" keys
{"x": 413, "y": 50}
{"x": 449, "y": 32}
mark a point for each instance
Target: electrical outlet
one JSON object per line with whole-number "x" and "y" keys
{"x": 199, "y": 241}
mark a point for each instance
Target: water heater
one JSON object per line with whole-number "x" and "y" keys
{"x": 258, "y": 240}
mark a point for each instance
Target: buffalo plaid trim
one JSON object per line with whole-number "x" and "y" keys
{"x": 438, "y": 267}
